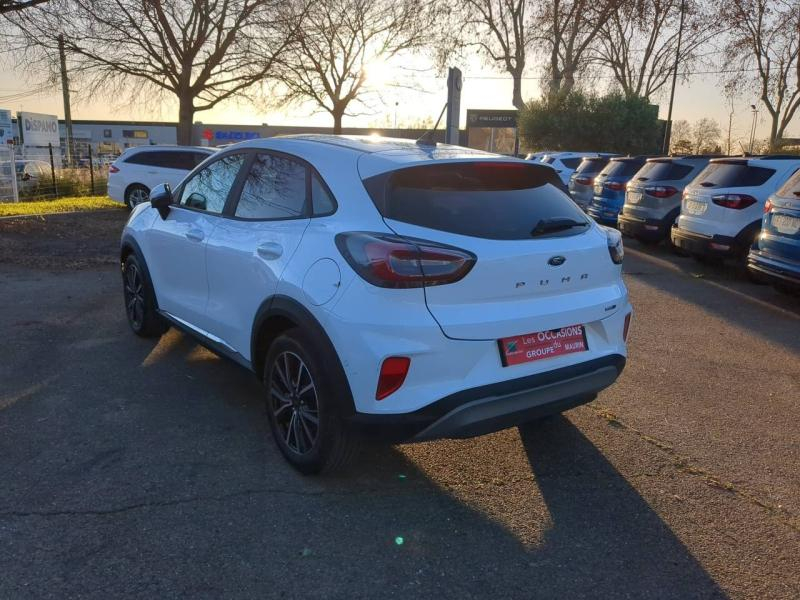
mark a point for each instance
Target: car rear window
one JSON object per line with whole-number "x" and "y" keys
{"x": 733, "y": 175}
{"x": 498, "y": 201}
{"x": 791, "y": 189}
{"x": 572, "y": 163}
{"x": 168, "y": 159}
{"x": 663, "y": 171}
{"x": 592, "y": 165}
{"x": 622, "y": 168}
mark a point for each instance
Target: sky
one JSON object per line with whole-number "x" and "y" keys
{"x": 419, "y": 96}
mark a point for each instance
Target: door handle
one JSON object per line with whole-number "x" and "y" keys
{"x": 270, "y": 250}
{"x": 196, "y": 235}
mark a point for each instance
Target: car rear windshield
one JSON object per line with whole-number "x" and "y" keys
{"x": 592, "y": 165}
{"x": 731, "y": 174}
{"x": 791, "y": 189}
{"x": 666, "y": 170}
{"x": 572, "y": 163}
{"x": 622, "y": 168}
{"x": 497, "y": 201}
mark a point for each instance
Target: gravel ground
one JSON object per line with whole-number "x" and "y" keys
{"x": 131, "y": 468}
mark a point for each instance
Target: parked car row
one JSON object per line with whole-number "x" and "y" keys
{"x": 710, "y": 207}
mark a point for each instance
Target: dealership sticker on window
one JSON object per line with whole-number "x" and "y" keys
{"x": 543, "y": 344}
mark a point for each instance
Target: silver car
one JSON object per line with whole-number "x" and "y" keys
{"x": 653, "y": 196}
{"x": 581, "y": 182}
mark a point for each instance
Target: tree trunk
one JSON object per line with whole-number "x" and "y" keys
{"x": 337, "y": 122}
{"x": 185, "y": 118}
{"x": 517, "y": 100}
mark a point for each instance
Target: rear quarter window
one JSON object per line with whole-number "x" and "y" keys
{"x": 733, "y": 175}
{"x": 499, "y": 201}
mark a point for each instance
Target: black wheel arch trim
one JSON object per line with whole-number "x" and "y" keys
{"x": 128, "y": 241}
{"x": 289, "y": 308}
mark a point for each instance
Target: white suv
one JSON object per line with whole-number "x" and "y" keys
{"x": 565, "y": 163}
{"x": 721, "y": 208}
{"x": 382, "y": 287}
{"x": 140, "y": 169}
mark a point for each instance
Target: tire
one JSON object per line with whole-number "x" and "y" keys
{"x": 135, "y": 195}
{"x": 140, "y": 300}
{"x": 303, "y": 405}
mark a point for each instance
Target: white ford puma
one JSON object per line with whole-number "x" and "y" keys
{"x": 382, "y": 287}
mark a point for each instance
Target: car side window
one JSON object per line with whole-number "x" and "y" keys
{"x": 275, "y": 188}
{"x": 208, "y": 189}
{"x": 321, "y": 199}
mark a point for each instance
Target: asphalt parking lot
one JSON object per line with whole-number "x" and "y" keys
{"x": 134, "y": 468}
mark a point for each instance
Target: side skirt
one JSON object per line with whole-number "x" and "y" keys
{"x": 207, "y": 340}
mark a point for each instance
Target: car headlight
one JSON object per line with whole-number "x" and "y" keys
{"x": 615, "y": 248}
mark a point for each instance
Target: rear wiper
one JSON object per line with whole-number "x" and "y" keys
{"x": 552, "y": 225}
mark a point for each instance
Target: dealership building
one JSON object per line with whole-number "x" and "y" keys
{"x": 111, "y": 138}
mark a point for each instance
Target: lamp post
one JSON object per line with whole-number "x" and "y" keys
{"x": 668, "y": 128}
{"x": 753, "y": 127}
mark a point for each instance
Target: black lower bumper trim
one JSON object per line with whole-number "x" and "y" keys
{"x": 774, "y": 269}
{"x": 648, "y": 229}
{"x": 717, "y": 245}
{"x": 496, "y": 406}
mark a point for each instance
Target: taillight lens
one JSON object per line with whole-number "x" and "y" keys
{"x": 584, "y": 180}
{"x": 113, "y": 169}
{"x": 660, "y": 191}
{"x": 391, "y": 261}
{"x": 736, "y": 201}
{"x": 393, "y": 373}
{"x": 768, "y": 206}
{"x": 626, "y": 327}
{"x": 615, "y": 248}
{"x": 615, "y": 186}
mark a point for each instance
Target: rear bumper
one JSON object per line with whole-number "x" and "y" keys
{"x": 489, "y": 408}
{"x": 603, "y": 214}
{"x": 636, "y": 227}
{"x": 779, "y": 270}
{"x": 707, "y": 245}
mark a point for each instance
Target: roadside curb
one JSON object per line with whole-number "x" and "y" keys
{"x": 55, "y": 214}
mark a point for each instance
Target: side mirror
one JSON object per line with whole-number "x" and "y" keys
{"x": 161, "y": 199}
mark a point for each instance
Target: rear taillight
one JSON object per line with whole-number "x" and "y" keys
{"x": 736, "y": 201}
{"x": 626, "y": 327}
{"x": 584, "y": 180}
{"x": 660, "y": 191}
{"x": 615, "y": 186}
{"x": 615, "y": 248}
{"x": 391, "y": 261}
{"x": 768, "y": 206}
{"x": 393, "y": 373}
{"x": 113, "y": 169}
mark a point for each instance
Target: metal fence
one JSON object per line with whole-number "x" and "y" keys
{"x": 39, "y": 174}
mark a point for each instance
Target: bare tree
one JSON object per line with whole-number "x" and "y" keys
{"x": 569, "y": 28}
{"x": 501, "y": 30}
{"x": 203, "y": 52}
{"x": 7, "y": 6}
{"x": 706, "y": 136}
{"x": 639, "y": 41}
{"x": 681, "y": 138}
{"x": 763, "y": 52}
{"x": 341, "y": 41}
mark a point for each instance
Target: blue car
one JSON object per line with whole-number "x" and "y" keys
{"x": 775, "y": 255}
{"x": 609, "y": 188}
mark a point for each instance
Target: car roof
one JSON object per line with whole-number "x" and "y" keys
{"x": 373, "y": 154}
{"x": 158, "y": 147}
{"x": 775, "y": 160}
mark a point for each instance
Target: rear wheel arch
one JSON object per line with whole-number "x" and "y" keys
{"x": 279, "y": 314}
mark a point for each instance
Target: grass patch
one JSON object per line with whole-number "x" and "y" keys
{"x": 40, "y": 207}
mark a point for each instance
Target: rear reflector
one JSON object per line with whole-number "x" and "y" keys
{"x": 113, "y": 169}
{"x": 716, "y": 246}
{"x": 393, "y": 373}
{"x": 626, "y": 327}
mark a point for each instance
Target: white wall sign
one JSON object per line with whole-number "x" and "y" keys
{"x": 38, "y": 130}
{"x": 5, "y": 127}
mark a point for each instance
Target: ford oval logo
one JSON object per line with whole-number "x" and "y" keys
{"x": 556, "y": 261}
